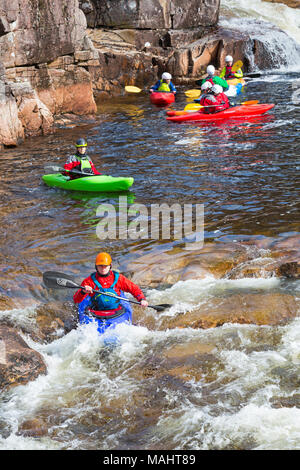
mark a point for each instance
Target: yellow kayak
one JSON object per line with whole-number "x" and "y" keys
{"x": 235, "y": 81}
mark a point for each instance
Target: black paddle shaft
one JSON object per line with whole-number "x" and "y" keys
{"x": 57, "y": 168}
{"x": 56, "y": 280}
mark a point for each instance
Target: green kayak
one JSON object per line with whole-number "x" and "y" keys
{"x": 97, "y": 183}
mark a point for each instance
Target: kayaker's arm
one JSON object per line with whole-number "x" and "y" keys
{"x": 81, "y": 293}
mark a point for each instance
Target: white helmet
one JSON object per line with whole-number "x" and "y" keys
{"x": 217, "y": 89}
{"x": 166, "y": 76}
{"x": 228, "y": 58}
{"x": 206, "y": 85}
{"x": 210, "y": 70}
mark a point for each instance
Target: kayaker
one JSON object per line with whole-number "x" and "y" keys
{"x": 214, "y": 79}
{"x": 205, "y": 91}
{"x": 107, "y": 280}
{"x": 215, "y": 101}
{"x": 164, "y": 85}
{"x": 80, "y": 161}
{"x": 227, "y": 70}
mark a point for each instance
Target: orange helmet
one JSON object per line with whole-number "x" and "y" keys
{"x": 104, "y": 259}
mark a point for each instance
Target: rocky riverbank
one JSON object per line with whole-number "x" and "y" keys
{"x": 62, "y": 56}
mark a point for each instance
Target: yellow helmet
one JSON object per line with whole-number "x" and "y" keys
{"x": 104, "y": 259}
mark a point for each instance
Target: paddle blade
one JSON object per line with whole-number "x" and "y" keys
{"x": 237, "y": 65}
{"x": 55, "y": 280}
{"x": 192, "y": 93}
{"x": 160, "y": 307}
{"x": 132, "y": 89}
{"x": 193, "y": 107}
{"x": 53, "y": 169}
{"x": 246, "y": 103}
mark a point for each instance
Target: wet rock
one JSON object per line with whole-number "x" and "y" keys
{"x": 214, "y": 259}
{"x": 54, "y": 320}
{"x": 33, "y": 428}
{"x": 34, "y": 115}
{"x": 289, "y": 3}
{"x": 289, "y": 269}
{"x": 6, "y": 303}
{"x": 286, "y": 402}
{"x": 19, "y": 364}
{"x": 259, "y": 309}
{"x": 11, "y": 129}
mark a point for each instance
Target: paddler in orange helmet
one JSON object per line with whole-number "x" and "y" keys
{"x": 106, "y": 279}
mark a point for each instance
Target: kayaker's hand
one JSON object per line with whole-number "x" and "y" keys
{"x": 87, "y": 289}
{"x": 144, "y": 303}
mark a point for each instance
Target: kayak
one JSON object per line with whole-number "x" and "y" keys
{"x": 235, "y": 81}
{"x": 96, "y": 183}
{"x": 233, "y": 112}
{"x": 162, "y": 98}
{"x": 86, "y": 316}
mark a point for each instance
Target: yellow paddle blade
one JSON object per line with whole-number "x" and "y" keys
{"x": 192, "y": 93}
{"x": 237, "y": 65}
{"x": 132, "y": 89}
{"x": 250, "y": 102}
{"x": 193, "y": 107}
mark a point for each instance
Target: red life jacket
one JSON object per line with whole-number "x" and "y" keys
{"x": 229, "y": 74}
{"x": 208, "y": 79}
{"x": 214, "y": 104}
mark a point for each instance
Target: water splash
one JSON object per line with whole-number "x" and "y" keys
{"x": 281, "y": 43}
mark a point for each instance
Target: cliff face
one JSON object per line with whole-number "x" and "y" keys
{"x": 153, "y": 14}
{"x": 40, "y": 74}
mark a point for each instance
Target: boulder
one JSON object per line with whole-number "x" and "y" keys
{"x": 260, "y": 309}
{"x": 54, "y": 320}
{"x": 19, "y": 364}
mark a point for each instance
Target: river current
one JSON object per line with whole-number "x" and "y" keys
{"x": 230, "y": 387}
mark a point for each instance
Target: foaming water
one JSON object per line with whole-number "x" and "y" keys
{"x": 286, "y": 18}
{"x": 232, "y": 387}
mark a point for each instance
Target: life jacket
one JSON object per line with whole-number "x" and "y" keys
{"x": 163, "y": 86}
{"x": 85, "y": 163}
{"x": 209, "y": 101}
{"x": 103, "y": 302}
{"x": 228, "y": 72}
{"x": 210, "y": 79}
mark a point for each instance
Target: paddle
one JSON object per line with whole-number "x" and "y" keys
{"x": 194, "y": 107}
{"x": 236, "y": 66}
{"x": 56, "y": 280}
{"x": 135, "y": 89}
{"x": 58, "y": 169}
{"x": 132, "y": 89}
{"x": 192, "y": 93}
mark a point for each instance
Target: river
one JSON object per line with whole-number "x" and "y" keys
{"x": 230, "y": 387}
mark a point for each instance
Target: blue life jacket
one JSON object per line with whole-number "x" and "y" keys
{"x": 104, "y": 302}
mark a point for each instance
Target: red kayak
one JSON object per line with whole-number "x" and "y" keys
{"x": 160, "y": 98}
{"x": 230, "y": 113}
